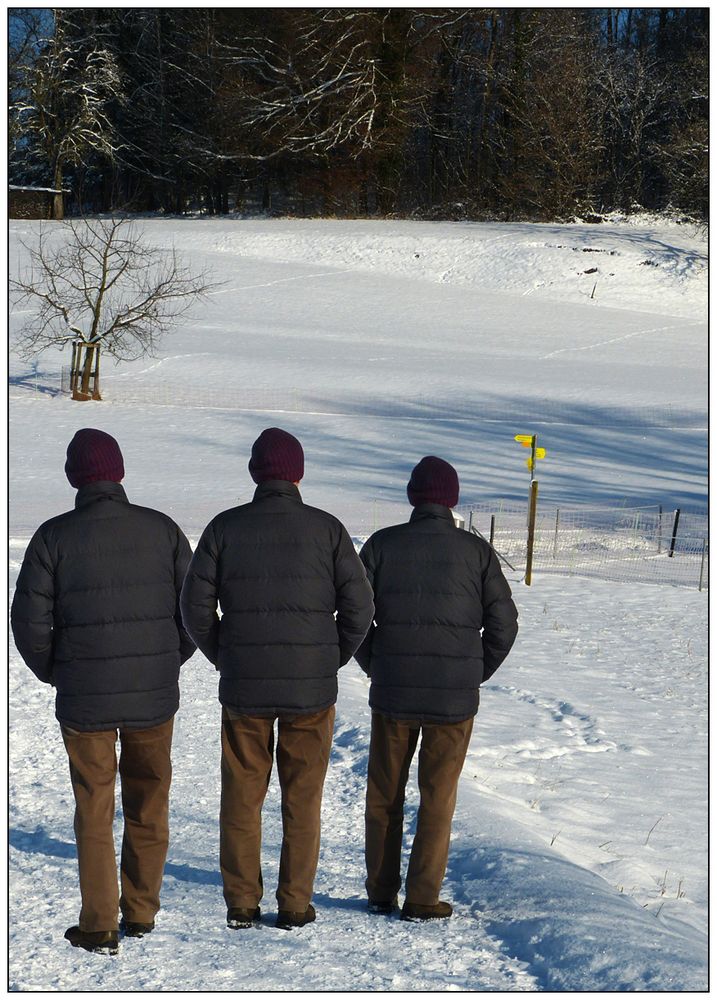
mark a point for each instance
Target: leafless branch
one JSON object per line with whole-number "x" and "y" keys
{"x": 97, "y": 279}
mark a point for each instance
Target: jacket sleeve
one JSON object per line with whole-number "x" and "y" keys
{"x": 182, "y": 558}
{"x": 500, "y": 617}
{"x": 198, "y": 600}
{"x": 354, "y": 598}
{"x": 363, "y": 653}
{"x": 32, "y": 613}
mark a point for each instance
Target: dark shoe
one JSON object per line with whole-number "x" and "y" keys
{"x": 131, "y": 928}
{"x": 103, "y": 942}
{"x": 239, "y": 917}
{"x": 382, "y": 907}
{"x": 290, "y": 918}
{"x": 417, "y": 911}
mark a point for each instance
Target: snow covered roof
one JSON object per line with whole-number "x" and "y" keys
{"x": 29, "y": 187}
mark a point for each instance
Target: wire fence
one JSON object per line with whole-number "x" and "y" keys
{"x": 638, "y": 544}
{"x": 624, "y": 544}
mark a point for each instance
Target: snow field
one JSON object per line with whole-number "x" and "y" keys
{"x": 558, "y": 878}
{"x": 629, "y": 265}
{"x": 618, "y": 397}
{"x": 579, "y": 847}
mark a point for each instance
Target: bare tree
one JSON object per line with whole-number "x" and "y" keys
{"x": 64, "y": 113}
{"x": 550, "y": 145}
{"x": 102, "y": 283}
{"x": 26, "y": 35}
{"x": 303, "y": 82}
{"x": 685, "y": 155}
{"x": 634, "y": 96}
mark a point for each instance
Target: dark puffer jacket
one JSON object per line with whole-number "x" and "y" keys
{"x": 437, "y": 588}
{"x": 96, "y": 611}
{"x": 279, "y": 570}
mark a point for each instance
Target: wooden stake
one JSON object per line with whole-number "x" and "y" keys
{"x": 96, "y": 375}
{"x": 73, "y": 367}
{"x": 532, "y": 511}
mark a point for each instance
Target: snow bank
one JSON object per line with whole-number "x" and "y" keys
{"x": 656, "y": 267}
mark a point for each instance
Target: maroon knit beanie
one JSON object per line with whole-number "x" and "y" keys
{"x": 276, "y": 454}
{"x": 93, "y": 457}
{"x": 433, "y": 481}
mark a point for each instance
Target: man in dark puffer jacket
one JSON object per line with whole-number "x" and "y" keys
{"x": 444, "y": 622}
{"x": 295, "y": 606}
{"x": 96, "y": 614}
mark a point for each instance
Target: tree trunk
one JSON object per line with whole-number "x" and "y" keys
{"x": 87, "y": 372}
{"x": 58, "y": 206}
{"x": 486, "y": 110}
{"x": 266, "y": 191}
{"x": 628, "y": 28}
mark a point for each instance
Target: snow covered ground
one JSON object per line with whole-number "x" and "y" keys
{"x": 579, "y": 849}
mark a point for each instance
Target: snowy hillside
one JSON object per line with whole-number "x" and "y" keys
{"x": 579, "y": 848}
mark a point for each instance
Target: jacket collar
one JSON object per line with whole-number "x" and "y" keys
{"x": 277, "y": 488}
{"x": 100, "y": 491}
{"x": 433, "y": 510}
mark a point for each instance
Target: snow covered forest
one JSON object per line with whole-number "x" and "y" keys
{"x": 505, "y": 113}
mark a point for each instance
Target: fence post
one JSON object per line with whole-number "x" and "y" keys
{"x": 702, "y": 565}
{"x": 500, "y": 555}
{"x": 659, "y": 531}
{"x": 674, "y": 533}
{"x": 492, "y": 528}
{"x": 532, "y": 510}
{"x": 557, "y": 525}
{"x": 470, "y": 520}
{"x": 74, "y": 367}
{"x": 96, "y": 375}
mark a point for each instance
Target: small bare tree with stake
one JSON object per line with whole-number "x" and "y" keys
{"x": 98, "y": 280}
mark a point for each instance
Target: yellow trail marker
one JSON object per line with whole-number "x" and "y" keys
{"x": 531, "y": 441}
{"x": 539, "y": 453}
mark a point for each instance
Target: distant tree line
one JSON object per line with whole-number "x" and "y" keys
{"x": 453, "y": 113}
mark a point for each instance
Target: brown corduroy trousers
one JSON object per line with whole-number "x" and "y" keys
{"x": 440, "y": 760}
{"x": 145, "y": 770}
{"x": 302, "y": 757}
